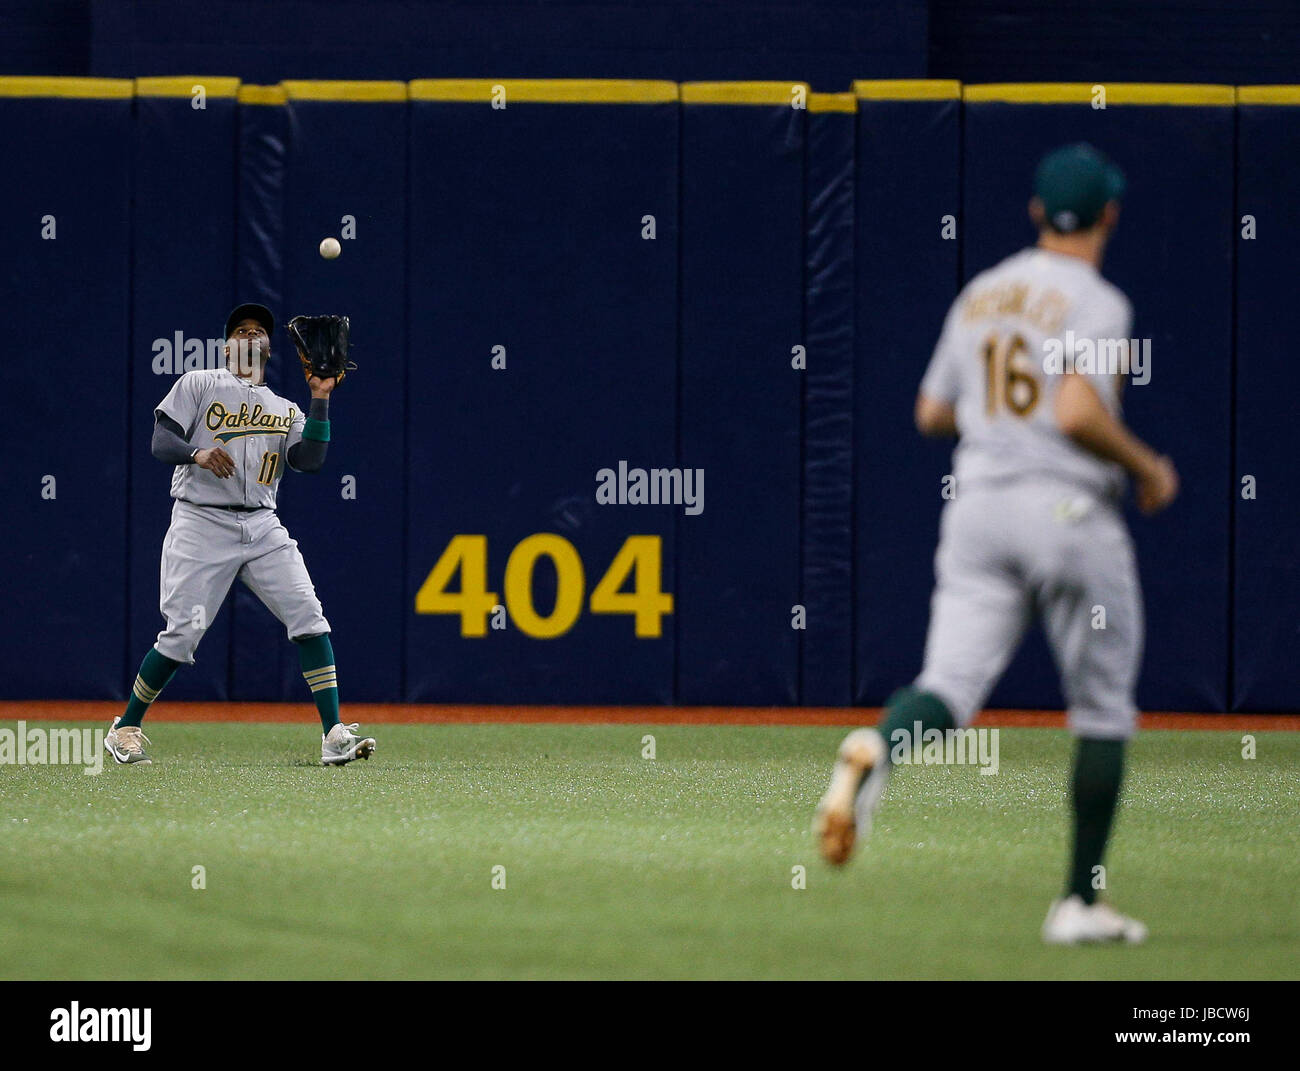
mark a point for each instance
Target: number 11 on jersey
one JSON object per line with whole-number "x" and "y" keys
{"x": 267, "y": 472}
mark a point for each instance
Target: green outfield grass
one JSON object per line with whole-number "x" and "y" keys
{"x": 620, "y": 867}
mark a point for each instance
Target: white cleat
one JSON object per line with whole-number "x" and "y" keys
{"x": 857, "y": 784}
{"x": 1072, "y": 922}
{"x": 342, "y": 744}
{"x": 126, "y": 744}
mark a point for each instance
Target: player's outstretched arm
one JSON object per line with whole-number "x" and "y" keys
{"x": 1083, "y": 418}
{"x": 321, "y": 388}
{"x": 308, "y": 455}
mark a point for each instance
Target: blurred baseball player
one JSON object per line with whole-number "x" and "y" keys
{"x": 229, "y": 437}
{"x": 1035, "y": 526}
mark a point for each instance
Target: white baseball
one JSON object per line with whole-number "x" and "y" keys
{"x": 330, "y": 248}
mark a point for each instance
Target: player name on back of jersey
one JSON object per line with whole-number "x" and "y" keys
{"x": 256, "y": 421}
{"x": 1044, "y": 308}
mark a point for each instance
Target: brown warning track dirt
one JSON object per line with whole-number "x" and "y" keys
{"x": 450, "y": 714}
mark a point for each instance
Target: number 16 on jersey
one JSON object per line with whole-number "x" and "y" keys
{"x": 1009, "y": 383}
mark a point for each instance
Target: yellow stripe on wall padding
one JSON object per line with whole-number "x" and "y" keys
{"x": 832, "y": 102}
{"x": 85, "y": 88}
{"x": 262, "y": 95}
{"x": 744, "y": 92}
{"x": 354, "y": 91}
{"x": 908, "y": 89}
{"x": 633, "y": 91}
{"x": 545, "y": 90}
{"x": 1268, "y": 94}
{"x": 184, "y": 86}
{"x": 1116, "y": 93}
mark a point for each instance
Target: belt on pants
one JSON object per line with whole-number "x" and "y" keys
{"x": 234, "y": 509}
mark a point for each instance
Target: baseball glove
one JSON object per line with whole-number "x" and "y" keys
{"x": 322, "y": 343}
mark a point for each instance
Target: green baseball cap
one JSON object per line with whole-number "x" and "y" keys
{"x": 1074, "y": 183}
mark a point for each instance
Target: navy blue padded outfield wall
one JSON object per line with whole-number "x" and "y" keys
{"x": 632, "y": 417}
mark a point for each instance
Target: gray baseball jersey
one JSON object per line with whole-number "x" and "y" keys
{"x": 1001, "y": 333}
{"x": 207, "y": 546}
{"x": 252, "y": 423}
{"x": 1034, "y": 527}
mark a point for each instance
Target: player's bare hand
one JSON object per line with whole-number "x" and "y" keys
{"x": 1157, "y": 487}
{"x": 320, "y": 388}
{"x": 216, "y": 461}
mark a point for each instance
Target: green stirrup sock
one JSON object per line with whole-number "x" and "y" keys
{"x": 155, "y": 671}
{"x": 904, "y": 709}
{"x": 316, "y": 656}
{"x": 1094, "y": 791}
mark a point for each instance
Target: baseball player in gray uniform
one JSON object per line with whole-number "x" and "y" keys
{"x": 1023, "y": 375}
{"x": 230, "y": 437}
